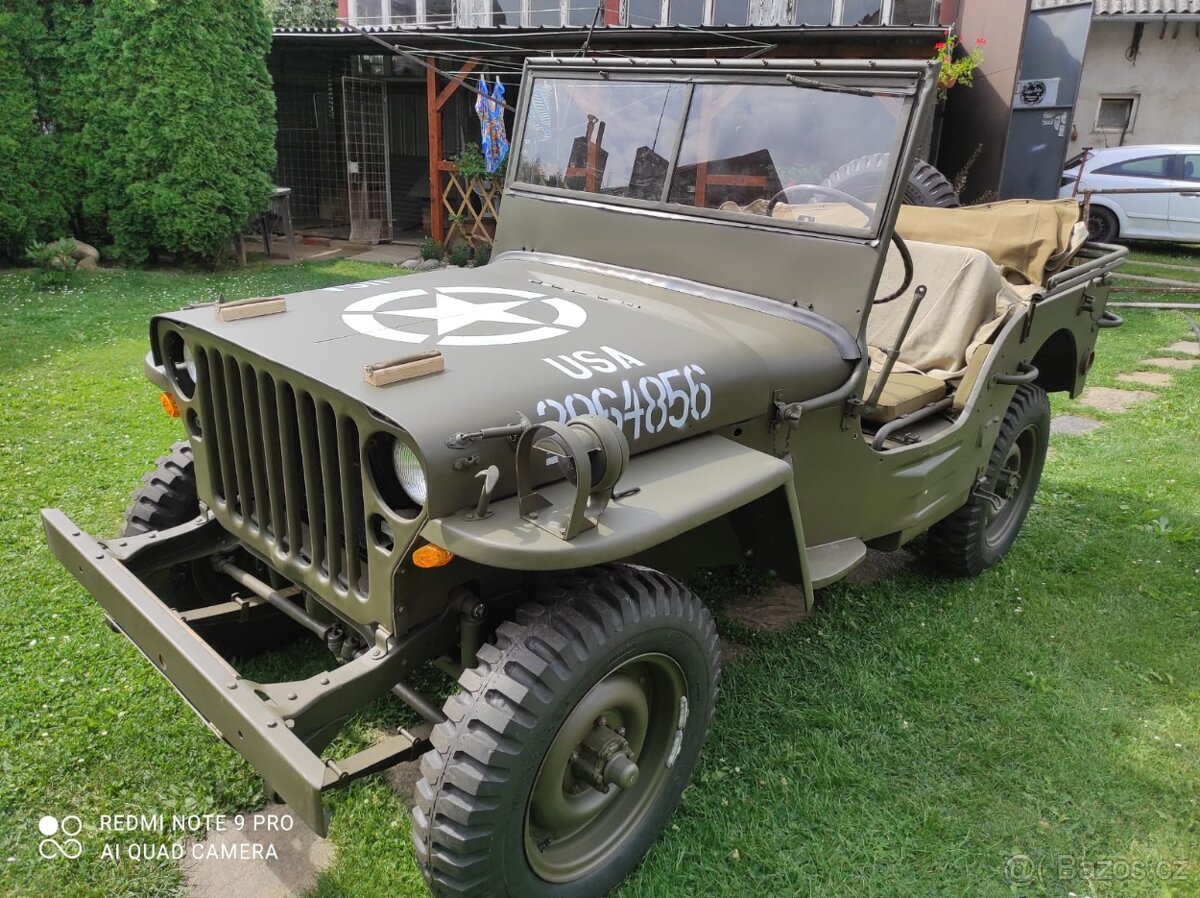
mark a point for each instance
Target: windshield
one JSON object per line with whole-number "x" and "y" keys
{"x": 751, "y": 149}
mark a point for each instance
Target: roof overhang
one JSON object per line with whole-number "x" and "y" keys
{"x": 890, "y": 41}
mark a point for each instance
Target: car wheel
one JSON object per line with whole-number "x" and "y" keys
{"x": 981, "y": 532}
{"x": 567, "y": 749}
{"x": 863, "y": 178}
{"x": 1102, "y": 224}
{"x": 168, "y": 498}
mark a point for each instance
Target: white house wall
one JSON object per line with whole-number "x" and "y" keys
{"x": 1164, "y": 79}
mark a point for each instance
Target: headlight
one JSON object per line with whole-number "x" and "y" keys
{"x": 189, "y": 361}
{"x": 409, "y": 472}
{"x": 180, "y": 363}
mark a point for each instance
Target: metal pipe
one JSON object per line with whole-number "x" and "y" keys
{"x": 418, "y": 702}
{"x": 919, "y": 415}
{"x": 891, "y": 355}
{"x": 273, "y": 597}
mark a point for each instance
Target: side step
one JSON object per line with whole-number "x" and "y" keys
{"x": 830, "y": 562}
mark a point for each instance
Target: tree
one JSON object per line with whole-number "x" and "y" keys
{"x": 301, "y": 13}
{"x": 31, "y": 207}
{"x": 178, "y": 139}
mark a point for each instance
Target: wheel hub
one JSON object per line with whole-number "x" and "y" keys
{"x": 604, "y": 759}
{"x": 620, "y": 733}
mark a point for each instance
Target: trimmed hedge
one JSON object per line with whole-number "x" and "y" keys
{"x": 178, "y": 136}
{"x": 151, "y": 122}
{"x": 31, "y": 207}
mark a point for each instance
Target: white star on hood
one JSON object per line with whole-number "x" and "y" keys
{"x": 452, "y": 314}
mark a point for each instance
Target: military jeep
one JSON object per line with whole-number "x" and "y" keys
{"x": 699, "y": 343}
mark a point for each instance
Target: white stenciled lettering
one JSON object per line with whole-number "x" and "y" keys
{"x": 586, "y": 363}
{"x": 651, "y": 404}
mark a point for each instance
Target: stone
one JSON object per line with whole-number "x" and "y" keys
{"x": 300, "y": 856}
{"x": 1107, "y": 399}
{"x": 1148, "y": 378}
{"x": 86, "y": 256}
{"x": 411, "y": 263}
{"x": 1185, "y": 347}
{"x": 1072, "y": 425}
{"x": 1176, "y": 364}
{"x": 429, "y": 265}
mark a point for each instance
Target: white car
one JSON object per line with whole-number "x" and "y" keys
{"x": 1147, "y": 216}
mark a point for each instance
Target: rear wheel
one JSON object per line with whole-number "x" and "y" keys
{"x": 981, "y": 532}
{"x": 566, "y": 752}
{"x": 1103, "y": 226}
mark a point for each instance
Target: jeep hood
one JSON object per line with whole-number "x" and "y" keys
{"x": 523, "y": 335}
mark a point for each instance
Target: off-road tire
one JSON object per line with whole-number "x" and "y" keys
{"x": 167, "y": 496}
{"x": 967, "y": 543}
{"x": 926, "y": 185}
{"x": 476, "y": 788}
{"x": 1103, "y": 226}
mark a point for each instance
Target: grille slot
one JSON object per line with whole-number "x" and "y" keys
{"x": 284, "y": 468}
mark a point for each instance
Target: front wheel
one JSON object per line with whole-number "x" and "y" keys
{"x": 568, "y": 747}
{"x": 981, "y": 532}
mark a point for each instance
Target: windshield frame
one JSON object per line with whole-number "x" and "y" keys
{"x": 900, "y": 78}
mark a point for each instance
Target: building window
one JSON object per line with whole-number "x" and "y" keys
{"x": 814, "y": 12}
{"x": 1116, "y": 113}
{"x": 553, "y": 13}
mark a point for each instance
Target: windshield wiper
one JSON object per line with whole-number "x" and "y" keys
{"x": 813, "y": 83}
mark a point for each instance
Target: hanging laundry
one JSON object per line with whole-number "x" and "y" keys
{"x": 491, "y": 120}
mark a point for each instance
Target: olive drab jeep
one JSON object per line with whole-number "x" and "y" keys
{"x": 696, "y": 345}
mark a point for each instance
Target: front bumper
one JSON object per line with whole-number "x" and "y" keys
{"x": 274, "y": 726}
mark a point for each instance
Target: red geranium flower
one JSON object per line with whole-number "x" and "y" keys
{"x": 941, "y": 46}
{"x": 980, "y": 40}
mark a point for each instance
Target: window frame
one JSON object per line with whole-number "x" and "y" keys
{"x": 1134, "y": 101}
{"x": 461, "y": 10}
{"x": 1170, "y": 168}
{"x": 675, "y": 211}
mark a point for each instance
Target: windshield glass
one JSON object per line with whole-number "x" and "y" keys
{"x": 750, "y": 149}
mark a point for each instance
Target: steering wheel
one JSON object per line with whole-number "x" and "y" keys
{"x": 866, "y": 210}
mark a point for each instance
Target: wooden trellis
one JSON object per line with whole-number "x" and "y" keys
{"x": 471, "y": 207}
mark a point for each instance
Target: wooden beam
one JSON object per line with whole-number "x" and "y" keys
{"x": 437, "y": 212}
{"x": 456, "y": 82}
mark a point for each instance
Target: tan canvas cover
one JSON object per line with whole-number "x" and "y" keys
{"x": 1028, "y": 239}
{"x": 967, "y": 303}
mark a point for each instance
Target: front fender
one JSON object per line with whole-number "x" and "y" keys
{"x": 678, "y": 488}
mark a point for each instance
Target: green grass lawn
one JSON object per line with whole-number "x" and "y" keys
{"x": 909, "y": 740}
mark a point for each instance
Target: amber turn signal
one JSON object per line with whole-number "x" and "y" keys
{"x": 170, "y": 406}
{"x": 430, "y": 555}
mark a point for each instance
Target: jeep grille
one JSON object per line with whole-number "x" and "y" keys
{"x": 284, "y": 470}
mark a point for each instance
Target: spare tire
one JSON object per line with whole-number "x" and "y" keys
{"x": 926, "y": 185}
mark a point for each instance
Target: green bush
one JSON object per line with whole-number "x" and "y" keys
{"x": 54, "y": 259}
{"x": 178, "y": 139}
{"x": 31, "y": 207}
{"x": 483, "y": 254}
{"x": 432, "y": 249}
{"x": 294, "y": 13}
{"x": 460, "y": 254}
